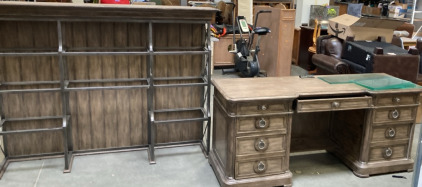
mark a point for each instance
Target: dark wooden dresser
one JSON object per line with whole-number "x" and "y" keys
{"x": 257, "y": 122}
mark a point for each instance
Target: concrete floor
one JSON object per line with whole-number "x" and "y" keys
{"x": 183, "y": 166}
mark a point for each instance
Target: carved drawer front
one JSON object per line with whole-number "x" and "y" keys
{"x": 388, "y": 152}
{"x": 391, "y": 132}
{"x": 394, "y": 114}
{"x": 397, "y": 99}
{"x": 332, "y": 104}
{"x": 262, "y": 124}
{"x": 259, "y": 167}
{"x": 265, "y": 107}
{"x": 260, "y": 144}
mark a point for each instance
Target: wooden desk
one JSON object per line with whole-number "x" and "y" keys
{"x": 258, "y": 122}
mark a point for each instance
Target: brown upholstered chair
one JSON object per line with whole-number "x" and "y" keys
{"x": 331, "y": 58}
{"x": 408, "y": 27}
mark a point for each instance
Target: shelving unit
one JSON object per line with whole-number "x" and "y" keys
{"x": 125, "y": 76}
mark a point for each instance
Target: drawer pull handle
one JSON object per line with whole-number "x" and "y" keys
{"x": 260, "y": 167}
{"x": 335, "y": 104}
{"x": 396, "y": 100}
{"x": 262, "y": 124}
{"x": 263, "y": 107}
{"x": 395, "y": 114}
{"x": 261, "y": 144}
{"x": 390, "y": 133}
{"x": 388, "y": 152}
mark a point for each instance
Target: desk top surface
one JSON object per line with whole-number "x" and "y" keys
{"x": 244, "y": 89}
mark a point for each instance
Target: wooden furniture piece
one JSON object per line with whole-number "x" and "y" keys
{"x": 221, "y": 55}
{"x": 288, "y": 3}
{"x": 257, "y": 123}
{"x": 276, "y": 47}
{"x": 306, "y": 36}
{"x": 109, "y": 77}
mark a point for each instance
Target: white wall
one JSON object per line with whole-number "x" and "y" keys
{"x": 303, "y": 8}
{"x": 245, "y": 8}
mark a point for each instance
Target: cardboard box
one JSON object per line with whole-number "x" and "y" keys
{"x": 364, "y": 28}
{"x": 397, "y": 10}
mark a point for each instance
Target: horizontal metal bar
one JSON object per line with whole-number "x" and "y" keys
{"x": 35, "y": 156}
{"x": 87, "y": 49}
{"x": 179, "y": 110}
{"x": 177, "y": 78}
{"x": 179, "y": 52}
{"x": 179, "y": 120}
{"x": 181, "y": 85}
{"x": 23, "y": 83}
{"x": 109, "y": 150}
{"x": 29, "y": 54}
{"x": 105, "y": 88}
{"x": 27, "y": 49}
{"x": 30, "y": 131}
{"x": 177, "y": 144}
{"x": 30, "y": 90}
{"x": 107, "y": 80}
{"x": 33, "y": 118}
{"x": 191, "y": 48}
{"x": 105, "y": 53}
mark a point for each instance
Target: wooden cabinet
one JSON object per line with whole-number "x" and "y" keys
{"x": 275, "y": 56}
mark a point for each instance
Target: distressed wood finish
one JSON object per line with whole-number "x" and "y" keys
{"x": 251, "y": 141}
{"x": 370, "y": 131}
{"x": 100, "y": 119}
{"x": 315, "y": 105}
{"x": 104, "y": 11}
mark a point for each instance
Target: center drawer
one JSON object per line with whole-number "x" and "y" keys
{"x": 332, "y": 104}
{"x": 251, "y": 145}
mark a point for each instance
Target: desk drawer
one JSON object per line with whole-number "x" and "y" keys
{"x": 396, "y": 114}
{"x": 264, "y": 107}
{"x": 396, "y": 99}
{"x": 315, "y": 105}
{"x": 388, "y": 153}
{"x": 259, "y": 167}
{"x": 252, "y": 145}
{"x": 262, "y": 124}
{"x": 391, "y": 132}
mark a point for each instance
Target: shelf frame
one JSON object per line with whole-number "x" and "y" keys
{"x": 65, "y": 88}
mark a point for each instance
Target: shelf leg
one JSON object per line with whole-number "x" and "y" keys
{"x": 3, "y": 166}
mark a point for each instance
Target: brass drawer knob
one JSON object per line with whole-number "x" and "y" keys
{"x": 335, "y": 104}
{"x": 396, "y": 100}
{"x": 394, "y": 114}
{"x": 388, "y": 152}
{"x": 390, "y": 132}
{"x": 261, "y": 144}
{"x": 260, "y": 166}
{"x": 262, "y": 124}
